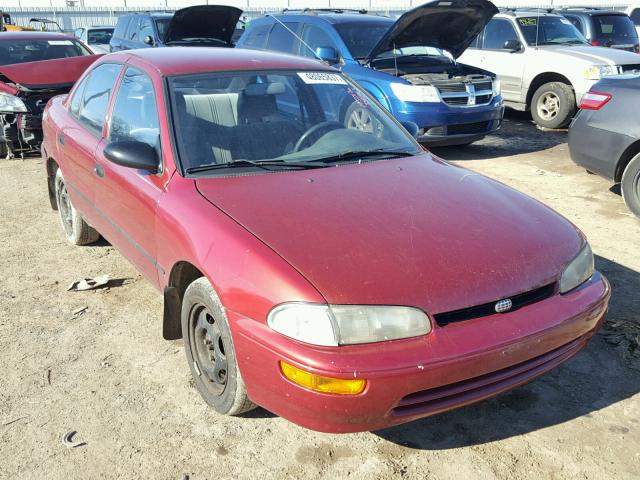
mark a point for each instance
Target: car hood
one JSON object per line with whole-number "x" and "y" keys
{"x": 415, "y": 231}
{"x": 449, "y": 25}
{"x": 59, "y": 73}
{"x": 594, "y": 55}
{"x": 203, "y": 21}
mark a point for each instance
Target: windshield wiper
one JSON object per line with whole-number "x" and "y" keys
{"x": 264, "y": 165}
{"x": 360, "y": 154}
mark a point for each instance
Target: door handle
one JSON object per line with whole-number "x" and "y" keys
{"x": 98, "y": 170}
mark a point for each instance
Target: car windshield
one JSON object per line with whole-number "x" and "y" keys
{"x": 289, "y": 119}
{"x": 22, "y": 51}
{"x": 99, "y": 36}
{"x": 614, "y": 29}
{"x": 162, "y": 24}
{"x": 361, "y": 37}
{"x": 549, "y": 30}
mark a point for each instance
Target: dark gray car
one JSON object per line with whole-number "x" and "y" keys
{"x": 604, "y": 137}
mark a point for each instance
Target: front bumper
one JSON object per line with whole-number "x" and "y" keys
{"x": 408, "y": 379}
{"x": 442, "y": 125}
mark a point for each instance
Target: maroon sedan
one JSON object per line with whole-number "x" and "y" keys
{"x": 344, "y": 279}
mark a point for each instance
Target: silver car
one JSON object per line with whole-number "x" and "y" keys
{"x": 96, "y": 37}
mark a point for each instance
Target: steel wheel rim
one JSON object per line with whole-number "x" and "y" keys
{"x": 207, "y": 349}
{"x": 65, "y": 208}
{"x": 360, "y": 119}
{"x": 548, "y": 106}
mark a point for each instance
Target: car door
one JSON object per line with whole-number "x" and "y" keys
{"x": 504, "y": 62}
{"x": 128, "y": 197}
{"x": 131, "y": 37}
{"x": 146, "y": 30}
{"x": 80, "y": 136}
{"x": 282, "y": 38}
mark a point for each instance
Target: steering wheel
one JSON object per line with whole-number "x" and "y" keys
{"x": 315, "y": 130}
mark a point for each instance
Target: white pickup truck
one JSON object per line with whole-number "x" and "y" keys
{"x": 544, "y": 64}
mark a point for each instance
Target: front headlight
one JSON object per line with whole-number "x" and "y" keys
{"x": 578, "y": 271}
{"x": 334, "y": 325}
{"x": 11, "y": 104}
{"x": 596, "y": 72}
{"x": 496, "y": 87}
{"x": 415, "y": 93}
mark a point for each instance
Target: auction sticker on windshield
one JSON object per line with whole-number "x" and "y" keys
{"x": 321, "y": 77}
{"x": 527, "y": 22}
{"x": 60, "y": 42}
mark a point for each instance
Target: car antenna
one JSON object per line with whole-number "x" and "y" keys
{"x": 296, "y": 35}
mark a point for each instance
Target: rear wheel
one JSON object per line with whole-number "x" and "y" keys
{"x": 77, "y": 231}
{"x": 631, "y": 185}
{"x": 553, "y": 105}
{"x": 210, "y": 351}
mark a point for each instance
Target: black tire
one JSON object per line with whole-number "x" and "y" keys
{"x": 210, "y": 351}
{"x": 76, "y": 230}
{"x": 553, "y": 105}
{"x": 630, "y": 186}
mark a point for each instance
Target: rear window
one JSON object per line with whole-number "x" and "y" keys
{"x": 99, "y": 35}
{"x": 361, "y": 37}
{"x": 23, "y": 51}
{"x": 121, "y": 27}
{"x": 614, "y": 29}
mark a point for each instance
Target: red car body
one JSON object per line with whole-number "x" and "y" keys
{"x": 411, "y": 231}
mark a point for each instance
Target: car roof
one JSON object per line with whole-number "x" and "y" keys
{"x": 99, "y": 26}
{"x": 149, "y": 14}
{"x": 26, "y": 35}
{"x": 526, "y": 13}
{"x": 590, "y": 11}
{"x": 184, "y": 60}
{"x": 335, "y": 17}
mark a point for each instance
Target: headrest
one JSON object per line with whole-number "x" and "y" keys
{"x": 259, "y": 89}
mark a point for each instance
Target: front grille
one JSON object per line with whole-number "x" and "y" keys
{"x": 467, "y": 128}
{"x": 487, "y": 309}
{"x": 443, "y": 398}
{"x": 458, "y": 93}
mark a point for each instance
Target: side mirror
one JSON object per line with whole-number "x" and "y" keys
{"x": 513, "y": 45}
{"x": 411, "y": 127}
{"x": 133, "y": 154}
{"x": 148, "y": 40}
{"x": 328, "y": 54}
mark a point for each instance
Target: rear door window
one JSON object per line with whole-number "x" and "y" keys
{"x": 497, "y": 33}
{"x": 95, "y": 98}
{"x": 281, "y": 37}
{"x": 635, "y": 16}
{"x": 146, "y": 29}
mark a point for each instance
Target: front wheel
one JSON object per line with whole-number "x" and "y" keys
{"x": 553, "y": 105}
{"x": 631, "y": 185}
{"x": 76, "y": 230}
{"x": 210, "y": 351}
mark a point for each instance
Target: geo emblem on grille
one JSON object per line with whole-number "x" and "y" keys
{"x": 503, "y": 305}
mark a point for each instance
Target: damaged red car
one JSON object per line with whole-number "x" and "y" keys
{"x": 34, "y": 67}
{"x": 346, "y": 280}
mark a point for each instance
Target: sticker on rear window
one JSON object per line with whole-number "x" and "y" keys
{"x": 60, "y": 42}
{"x": 528, "y": 22}
{"x": 565, "y": 21}
{"x": 321, "y": 77}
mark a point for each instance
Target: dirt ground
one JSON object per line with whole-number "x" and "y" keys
{"x": 95, "y": 362}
